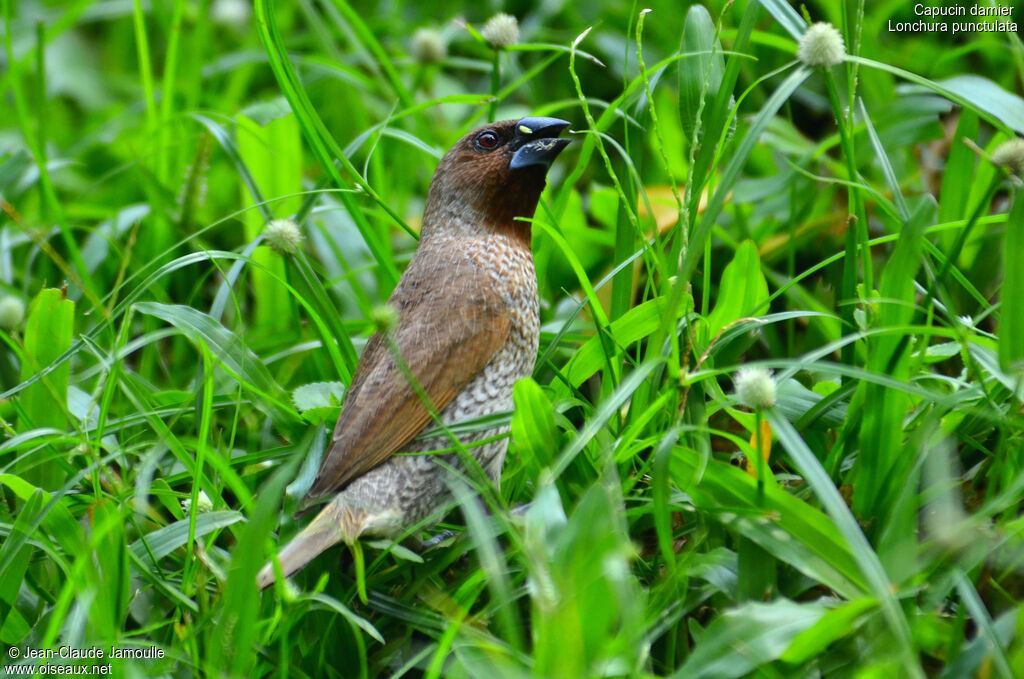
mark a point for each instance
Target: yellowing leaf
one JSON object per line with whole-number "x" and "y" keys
{"x": 765, "y": 447}
{"x": 663, "y": 205}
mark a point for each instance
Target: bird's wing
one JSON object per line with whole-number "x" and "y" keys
{"x": 451, "y": 322}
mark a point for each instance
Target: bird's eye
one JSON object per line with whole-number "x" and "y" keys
{"x": 487, "y": 140}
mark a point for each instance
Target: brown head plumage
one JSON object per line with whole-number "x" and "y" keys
{"x": 493, "y": 175}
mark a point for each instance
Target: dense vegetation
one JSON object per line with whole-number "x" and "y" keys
{"x": 856, "y": 229}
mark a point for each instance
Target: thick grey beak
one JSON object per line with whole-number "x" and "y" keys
{"x": 536, "y": 142}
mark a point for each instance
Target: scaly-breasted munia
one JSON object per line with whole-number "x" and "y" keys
{"x": 467, "y": 329}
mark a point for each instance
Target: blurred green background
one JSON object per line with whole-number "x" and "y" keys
{"x": 851, "y": 234}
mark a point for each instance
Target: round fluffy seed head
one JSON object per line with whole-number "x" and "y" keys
{"x": 501, "y": 30}
{"x": 233, "y": 13}
{"x": 821, "y": 45}
{"x": 203, "y": 504}
{"x": 428, "y": 46}
{"x": 385, "y": 318}
{"x": 12, "y": 312}
{"x": 755, "y": 387}
{"x": 1010, "y": 154}
{"x": 283, "y": 235}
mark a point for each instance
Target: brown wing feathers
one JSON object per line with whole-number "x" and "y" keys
{"x": 451, "y": 323}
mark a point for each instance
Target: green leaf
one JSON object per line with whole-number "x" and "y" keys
{"x": 492, "y": 560}
{"x": 970, "y": 91}
{"x": 58, "y": 520}
{"x": 634, "y": 325}
{"x": 227, "y": 348}
{"x": 323, "y": 144}
{"x": 977, "y": 654}
{"x": 960, "y": 164}
{"x": 332, "y": 604}
{"x": 396, "y": 550}
{"x": 882, "y": 473}
{"x": 796, "y": 400}
{"x": 743, "y": 291}
{"x": 161, "y": 542}
{"x": 838, "y": 623}
{"x": 533, "y": 426}
{"x": 698, "y": 239}
{"x": 699, "y": 76}
{"x": 1011, "y": 318}
{"x": 15, "y": 553}
{"x": 870, "y": 565}
{"x": 608, "y": 408}
{"x": 744, "y": 638}
{"x": 264, "y": 112}
{"x": 231, "y": 642}
{"x": 883, "y": 159}
{"x": 318, "y": 395}
{"x": 48, "y": 333}
{"x": 109, "y": 576}
{"x": 792, "y": 531}
{"x": 272, "y": 150}
{"x": 787, "y": 17}
{"x": 989, "y": 97}
{"x": 319, "y": 401}
{"x": 12, "y": 167}
{"x": 587, "y": 608}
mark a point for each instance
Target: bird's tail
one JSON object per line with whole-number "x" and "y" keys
{"x": 337, "y": 522}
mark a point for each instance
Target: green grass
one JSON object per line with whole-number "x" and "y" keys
{"x": 722, "y": 206}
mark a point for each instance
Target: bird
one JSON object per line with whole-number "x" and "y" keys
{"x": 467, "y": 329}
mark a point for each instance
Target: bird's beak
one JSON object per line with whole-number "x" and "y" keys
{"x": 537, "y": 143}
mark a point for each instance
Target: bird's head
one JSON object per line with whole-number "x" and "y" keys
{"x": 493, "y": 175}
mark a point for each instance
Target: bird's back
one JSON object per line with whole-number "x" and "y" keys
{"x": 408, "y": 487}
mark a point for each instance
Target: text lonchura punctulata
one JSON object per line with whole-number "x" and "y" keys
{"x": 467, "y": 330}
